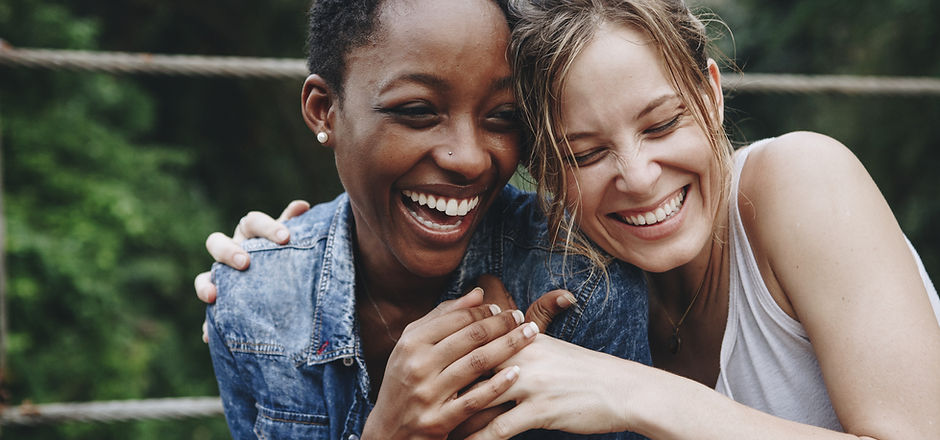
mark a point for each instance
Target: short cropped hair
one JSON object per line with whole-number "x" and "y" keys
{"x": 338, "y": 26}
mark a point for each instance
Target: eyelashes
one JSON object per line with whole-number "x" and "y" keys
{"x": 596, "y": 154}
{"x": 421, "y": 115}
{"x": 659, "y": 129}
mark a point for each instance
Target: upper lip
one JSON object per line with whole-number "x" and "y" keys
{"x": 449, "y": 190}
{"x": 647, "y": 208}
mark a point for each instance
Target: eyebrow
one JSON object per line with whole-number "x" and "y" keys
{"x": 653, "y": 105}
{"x": 420, "y": 78}
{"x": 435, "y": 82}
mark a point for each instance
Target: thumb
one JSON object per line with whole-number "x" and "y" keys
{"x": 494, "y": 292}
{"x": 549, "y": 305}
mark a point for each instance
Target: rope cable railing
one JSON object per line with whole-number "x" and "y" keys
{"x": 288, "y": 68}
{"x": 29, "y": 414}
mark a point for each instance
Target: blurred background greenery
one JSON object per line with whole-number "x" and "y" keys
{"x": 111, "y": 183}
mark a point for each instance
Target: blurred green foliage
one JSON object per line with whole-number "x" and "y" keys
{"x": 111, "y": 183}
{"x": 896, "y": 138}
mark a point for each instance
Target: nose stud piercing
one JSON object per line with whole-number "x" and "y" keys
{"x": 322, "y": 137}
{"x": 450, "y": 153}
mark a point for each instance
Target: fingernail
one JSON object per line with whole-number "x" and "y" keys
{"x": 518, "y": 316}
{"x": 530, "y": 330}
{"x": 240, "y": 260}
{"x": 566, "y": 300}
{"x": 475, "y": 289}
{"x": 494, "y": 309}
{"x": 281, "y": 235}
{"x": 513, "y": 372}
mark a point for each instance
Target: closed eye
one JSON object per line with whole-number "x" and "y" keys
{"x": 590, "y": 157}
{"x": 504, "y": 119}
{"x": 663, "y": 128}
{"x": 414, "y": 115}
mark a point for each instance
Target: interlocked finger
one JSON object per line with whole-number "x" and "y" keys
{"x": 480, "y": 396}
{"x": 512, "y": 422}
{"x": 452, "y": 323}
{"x": 481, "y": 360}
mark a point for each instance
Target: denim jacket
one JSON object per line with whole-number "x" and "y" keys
{"x": 284, "y": 336}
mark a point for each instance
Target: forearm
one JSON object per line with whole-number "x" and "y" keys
{"x": 666, "y": 406}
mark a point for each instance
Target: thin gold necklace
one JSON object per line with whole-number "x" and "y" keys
{"x": 360, "y": 278}
{"x": 675, "y": 341}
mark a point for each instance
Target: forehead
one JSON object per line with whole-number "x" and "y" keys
{"x": 620, "y": 64}
{"x": 443, "y": 37}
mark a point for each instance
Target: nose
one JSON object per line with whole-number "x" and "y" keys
{"x": 637, "y": 173}
{"x": 467, "y": 153}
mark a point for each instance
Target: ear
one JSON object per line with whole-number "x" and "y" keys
{"x": 318, "y": 106}
{"x": 714, "y": 79}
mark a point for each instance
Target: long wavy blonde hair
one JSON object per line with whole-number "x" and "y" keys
{"x": 548, "y": 35}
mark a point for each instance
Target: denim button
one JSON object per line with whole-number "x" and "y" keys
{"x": 348, "y": 362}
{"x": 353, "y": 436}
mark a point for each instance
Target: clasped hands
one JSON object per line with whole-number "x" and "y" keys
{"x": 449, "y": 368}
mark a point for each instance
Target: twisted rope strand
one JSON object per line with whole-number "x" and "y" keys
{"x": 287, "y": 68}
{"x": 144, "y": 63}
{"x": 111, "y": 411}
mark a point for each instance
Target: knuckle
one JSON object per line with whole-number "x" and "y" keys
{"x": 429, "y": 424}
{"x": 477, "y": 332}
{"x": 471, "y": 405}
{"x": 478, "y": 362}
{"x": 465, "y": 317}
{"x": 500, "y": 427}
{"x": 477, "y": 313}
{"x": 514, "y": 341}
{"x": 408, "y": 348}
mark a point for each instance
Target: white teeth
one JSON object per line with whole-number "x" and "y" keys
{"x": 659, "y": 214}
{"x": 451, "y": 207}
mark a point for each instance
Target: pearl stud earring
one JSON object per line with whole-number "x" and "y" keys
{"x": 322, "y": 137}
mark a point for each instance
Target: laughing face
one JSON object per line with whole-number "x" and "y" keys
{"x": 646, "y": 184}
{"x": 425, "y": 135}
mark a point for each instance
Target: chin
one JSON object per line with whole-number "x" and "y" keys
{"x": 435, "y": 264}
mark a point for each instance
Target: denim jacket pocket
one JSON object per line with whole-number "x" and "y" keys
{"x": 278, "y": 424}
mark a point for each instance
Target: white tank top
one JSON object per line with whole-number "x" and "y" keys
{"x": 767, "y": 361}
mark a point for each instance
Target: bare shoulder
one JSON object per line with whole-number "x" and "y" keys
{"x": 799, "y": 163}
{"x": 800, "y": 191}
{"x": 802, "y": 173}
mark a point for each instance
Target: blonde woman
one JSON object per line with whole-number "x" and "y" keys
{"x": 785, "y": 300}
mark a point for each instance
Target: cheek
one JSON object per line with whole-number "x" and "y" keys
{"x": 506, "y": 152}
{"x": 583, "y": 194}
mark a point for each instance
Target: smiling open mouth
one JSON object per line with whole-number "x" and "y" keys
{"x": 668, "y": 209}
{"x": 439, "y": 212}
